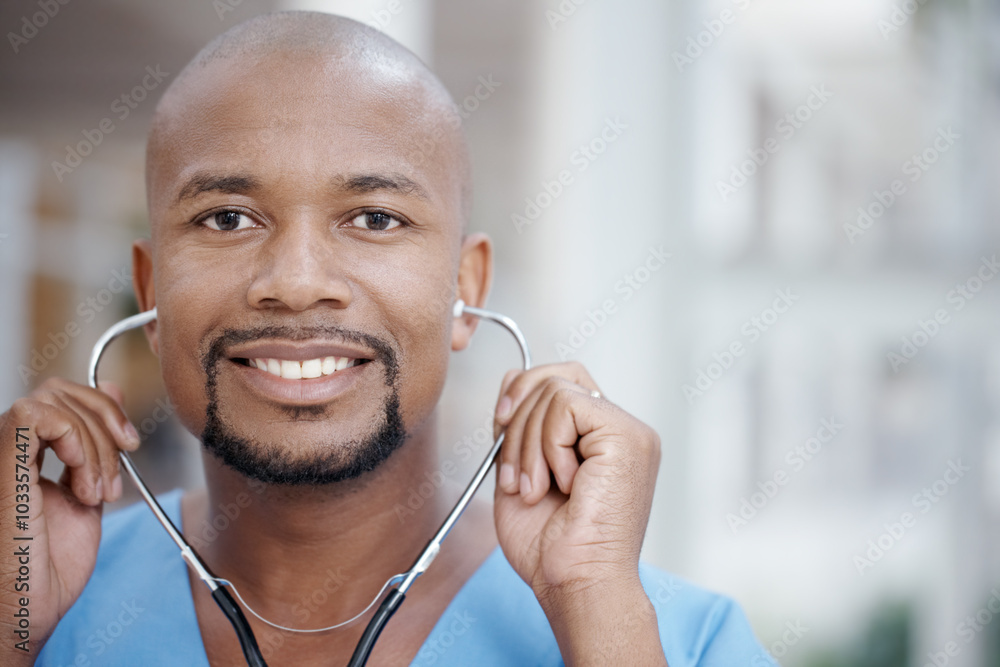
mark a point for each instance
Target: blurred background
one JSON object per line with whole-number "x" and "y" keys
{"x": 765, "y": 226}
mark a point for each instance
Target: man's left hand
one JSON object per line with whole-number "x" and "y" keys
{"x": 584, "y": 531}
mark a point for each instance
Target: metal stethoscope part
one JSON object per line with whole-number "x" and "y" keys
{"x": 397, "y": 585}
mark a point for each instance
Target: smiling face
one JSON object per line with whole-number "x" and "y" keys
{"x": 307, "y": 216}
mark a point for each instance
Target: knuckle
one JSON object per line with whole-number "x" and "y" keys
{"x": 110, "y": 464}
{"x": 563, "y": 392}
{"x": 53, "y": 384}
{"x": 22, "y": 410}
{"x": 515, "y": 375}
{"x": 650, "y": 441}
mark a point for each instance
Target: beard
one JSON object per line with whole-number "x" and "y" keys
{"x": 273, "y": 464}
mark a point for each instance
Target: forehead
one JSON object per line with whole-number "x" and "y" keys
{"x": 303, "y": 116}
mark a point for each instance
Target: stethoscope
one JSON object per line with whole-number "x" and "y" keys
{"x": 397, "y": 585}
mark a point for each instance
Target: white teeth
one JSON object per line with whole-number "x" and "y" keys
{"x": 312, "y": 368}
{"x": 329, "y": 365}
{"x": 308, "y": 369}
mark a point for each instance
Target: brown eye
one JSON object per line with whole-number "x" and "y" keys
{"x": 375, "y": 221}
{"x": 227, "y": 221}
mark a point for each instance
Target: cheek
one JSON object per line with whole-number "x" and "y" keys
{"x": 417, "y": 304}
{"x": 189, "y": 304}
{"x": 183, "y": 377}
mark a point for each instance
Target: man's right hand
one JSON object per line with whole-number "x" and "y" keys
{"x": 86, "y": 429}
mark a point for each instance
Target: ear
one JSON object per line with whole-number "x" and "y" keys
{"x": 475, "y": 274}
{"x": 142, "y": 283}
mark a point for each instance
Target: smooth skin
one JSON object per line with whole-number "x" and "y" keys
{"x": 283, "y": 144}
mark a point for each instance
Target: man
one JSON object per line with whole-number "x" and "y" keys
{"x": 309, "y": 188}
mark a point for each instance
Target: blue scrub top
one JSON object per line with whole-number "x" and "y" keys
{"x": 137, "y": 609}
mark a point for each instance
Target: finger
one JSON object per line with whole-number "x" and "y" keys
{"x": 559, "y": 436}
{"x": 607, "y": 435}
{"x": 514, "y": 478}
{"x": 525, "y": 382}
{"x": 112, "y": 390}
{"x": 63, "y": 432}
{"x": 52, "y": 426}
{"x": 534, "y": 469}
{"x": 108, "y": 406}
{"x": 550, "y": 453}
{"x": 88, "y": 480}
{"x": 503, "y": 406}
{"x": 105, "y": 446}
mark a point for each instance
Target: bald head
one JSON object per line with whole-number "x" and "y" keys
{"x": 327, "y": 56}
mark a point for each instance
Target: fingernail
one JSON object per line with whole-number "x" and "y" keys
{"x": 503, "y": 407}
{"x": 507, "y": 478}
{"x": 100, "y": 489}
{"x": 131, "y": 434}
{"x": 116, "y": 487}
{"x": 525, "y": 484}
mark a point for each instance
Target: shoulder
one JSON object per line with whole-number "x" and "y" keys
{"x": 496, "y": 621}
{"x": 136, "y": 604}
{"x": 699, "y": 626}
{"x": 131, "y": 523}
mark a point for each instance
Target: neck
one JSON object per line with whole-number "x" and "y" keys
{"x": 280, "y": 546}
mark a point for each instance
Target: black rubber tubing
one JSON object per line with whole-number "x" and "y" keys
{"x": 235, "y": 615}
{"x": 374, "y": 629}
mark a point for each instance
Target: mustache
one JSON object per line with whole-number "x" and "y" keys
{"x": 216, "y": 351}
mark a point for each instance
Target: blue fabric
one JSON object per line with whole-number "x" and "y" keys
{"x": 137, "y": 609}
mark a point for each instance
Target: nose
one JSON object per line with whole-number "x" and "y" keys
{"x": 298, "y": 268}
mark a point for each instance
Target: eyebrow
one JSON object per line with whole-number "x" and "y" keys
{"x": 365, "y": 183}
{"x": 358, "y": 184}
{"x": 205, "y": 182}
